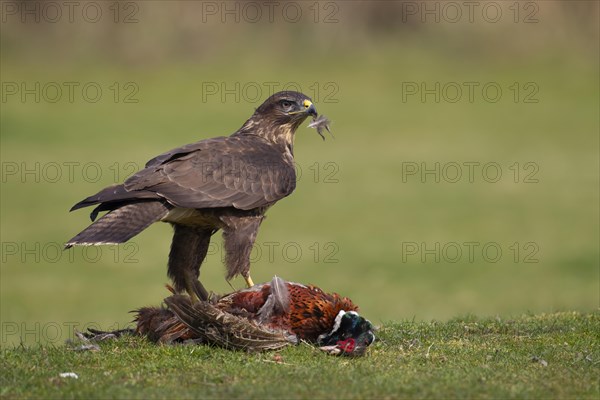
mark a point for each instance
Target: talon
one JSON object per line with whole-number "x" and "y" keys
{"x": 249, "y": 281}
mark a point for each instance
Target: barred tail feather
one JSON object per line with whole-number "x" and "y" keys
{"x": 121, "y": 224}
{"x": 220, "y": 328}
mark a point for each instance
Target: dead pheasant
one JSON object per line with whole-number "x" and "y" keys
{"x": 266, "y": 316}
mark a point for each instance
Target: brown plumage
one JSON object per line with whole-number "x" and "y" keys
{"x": 224, "y": 183}
{"x": 266, "y": 316}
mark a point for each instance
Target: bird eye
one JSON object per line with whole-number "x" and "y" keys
{"x": 286, "y": 104}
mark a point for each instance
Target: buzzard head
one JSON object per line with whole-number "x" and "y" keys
{"x": 278, "y": 118}
{"x": 286, "y": 108}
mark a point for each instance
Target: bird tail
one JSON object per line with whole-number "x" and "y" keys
{"x": 121, "y": 224}
{"x": 160, "y": 325}
{"x": 218, "y": 327}
{"x": 113, "y": 197}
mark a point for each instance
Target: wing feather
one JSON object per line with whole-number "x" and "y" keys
{"x": 237, "y": 171}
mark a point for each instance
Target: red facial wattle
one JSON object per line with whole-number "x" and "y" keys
{"x": 347, "y": 346}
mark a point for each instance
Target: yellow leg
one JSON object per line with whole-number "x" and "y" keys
{"x": 196, "y": 291}
{"x": 249, "y": 281}
{"x": 193, "y": 297}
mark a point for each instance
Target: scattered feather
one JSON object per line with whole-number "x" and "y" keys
{"x": 95, "y": 335}
{"x": 68, "y": 375}
{"x": 278, "y": 302}
{"x": 539, "y": 360}
{"x": 331, "y": 350}
{"x": 321, "y": 123}
{"x": 87, "y": 347}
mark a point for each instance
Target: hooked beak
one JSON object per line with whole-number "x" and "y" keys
{"x": 309, "y": 108}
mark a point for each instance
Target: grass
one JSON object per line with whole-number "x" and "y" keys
{"x": 532, "y": 356}
{"x": 368, "y": 213}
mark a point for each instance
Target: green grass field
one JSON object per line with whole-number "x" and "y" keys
{"x": 418, "y": 209}
{"x": 546, "y": 356}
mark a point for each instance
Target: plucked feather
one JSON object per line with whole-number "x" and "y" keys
{"x": 278, "y": 302}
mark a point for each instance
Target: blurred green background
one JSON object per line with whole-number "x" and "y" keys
{"x": 364, "y": 221}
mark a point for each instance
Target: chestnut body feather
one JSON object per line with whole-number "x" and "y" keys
{"x": 311, "y": 311}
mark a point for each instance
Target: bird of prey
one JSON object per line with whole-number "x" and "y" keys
{"x": 223, "y": 183}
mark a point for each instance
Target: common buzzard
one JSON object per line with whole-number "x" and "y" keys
{"x": 225, "y": 183}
